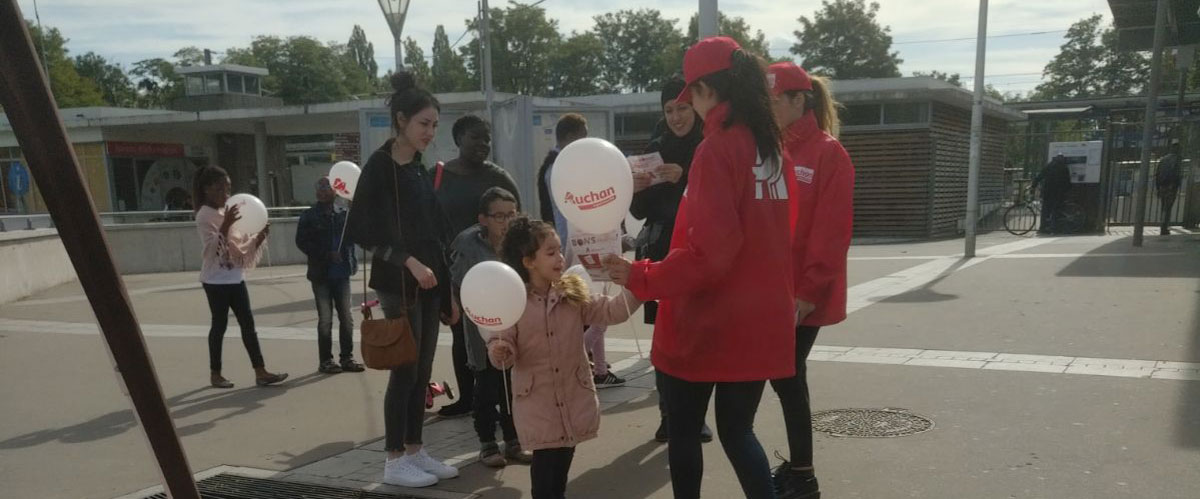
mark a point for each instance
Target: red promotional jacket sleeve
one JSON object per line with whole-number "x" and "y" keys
{"x": 832, "y": 227}
{"x": 713, "y": 228}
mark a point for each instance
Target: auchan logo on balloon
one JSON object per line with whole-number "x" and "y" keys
{"x": 592, "y": 199}
{"x": 339, "y": 185}
{"x": 483, "y": 321}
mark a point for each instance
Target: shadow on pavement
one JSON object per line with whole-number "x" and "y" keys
{"x": 926, "y": 293}
{"x": 1172, "y": 257}
{"x": 236, "y": 401}
{"x": 293, "y": 461}
{"x": 638, "y": 473}
{"x": 1187, "y": 425}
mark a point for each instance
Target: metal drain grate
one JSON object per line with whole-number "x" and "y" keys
{"x": 225, "y": 486}
{"x": 870, "y": 423}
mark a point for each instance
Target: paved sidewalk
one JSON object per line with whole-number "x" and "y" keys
{"x": 1051, "y": 368}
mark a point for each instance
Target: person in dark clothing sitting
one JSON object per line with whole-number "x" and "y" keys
{"x": 1057, "y": 178}
{"x": 657, "y": 204}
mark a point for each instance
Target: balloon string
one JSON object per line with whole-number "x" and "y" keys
{"x": 629, "y": 315}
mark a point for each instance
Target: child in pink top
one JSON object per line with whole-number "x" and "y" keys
{"x": 227, "y": 253}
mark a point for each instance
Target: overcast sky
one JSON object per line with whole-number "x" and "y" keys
{"x": 130, "y": 30}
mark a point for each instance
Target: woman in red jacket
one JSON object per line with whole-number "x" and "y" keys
{"x": 726, "y": 315}
{"x": 822, "y": 203}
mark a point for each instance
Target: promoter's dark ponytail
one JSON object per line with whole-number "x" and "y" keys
{"x": 744, "y": 86}
{"x": 408, "y": 99}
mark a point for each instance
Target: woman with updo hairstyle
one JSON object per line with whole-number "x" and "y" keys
{"x": 396, "y": 216}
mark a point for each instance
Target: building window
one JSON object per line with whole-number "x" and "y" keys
{"x": 898, "y": 113}
{"x": 251, "y": 84}
{"x": 861, "y": 114}
{"x": 195, "y": 85}
{"x": 892, "y": 113}
{"x": 212, "y": 84}
{"x": 235, "y": 84}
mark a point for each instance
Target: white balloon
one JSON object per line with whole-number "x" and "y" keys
{"x": 343, "y": 178}
{"x": 592, "y": 185}
{"x": 252, "y": 211}
{"x": 493, "y": 296}
{"x": 578, "y": 270}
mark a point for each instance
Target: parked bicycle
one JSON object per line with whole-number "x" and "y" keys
{"x": 1024, "y": 216}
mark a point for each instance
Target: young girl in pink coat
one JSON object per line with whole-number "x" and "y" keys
{"x": 554, "y": 397}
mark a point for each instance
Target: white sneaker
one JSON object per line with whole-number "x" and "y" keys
{"x": 424, "y": 462}
{"x": 402, "y": 472}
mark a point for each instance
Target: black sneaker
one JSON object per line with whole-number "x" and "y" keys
{"x": 706, "y": 433}
{"x": 608, "y": 380}
{"x": 329, "y": 367}
{"x": 455, "y": 410}
{"x": 792, "y": 484}
{"x": 350, "y": 366}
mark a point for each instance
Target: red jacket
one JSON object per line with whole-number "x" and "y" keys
{"x": 823, "y": 209}
{"x": 726, "y": 310}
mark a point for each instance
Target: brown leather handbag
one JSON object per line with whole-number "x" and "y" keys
{"x": 387, "y": 343}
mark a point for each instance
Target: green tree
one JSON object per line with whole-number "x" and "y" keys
{"x": 1089, "y": 64}
{"x": 737, "y": 28}
{"x": 640, "y": 46}
{"x": 69, "y": 88}
{"x": 844, "y": 41}
{"x": 189, "y": 56}
{"x": 415, "y": 63}
{"x": 157, "y": 82}
{"x": 576, "y": 66}
{"x": 449, "y": 71}
{"x": 951, "y": 78}
{"x": 523, "y": 44}
{"x": 303, "y": 70}
{"x": 362, "y": 52}
{"x": 114, "y": 85}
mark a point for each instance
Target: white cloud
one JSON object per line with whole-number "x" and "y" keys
{"x": 130, "y": 30}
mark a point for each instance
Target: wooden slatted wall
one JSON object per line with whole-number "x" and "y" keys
{"x": 950, "y": 132}
{"x": 892, "y": 188}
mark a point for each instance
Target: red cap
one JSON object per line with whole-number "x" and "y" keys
{"x": 787, "y": 77}
{"x": 704, "y": 58}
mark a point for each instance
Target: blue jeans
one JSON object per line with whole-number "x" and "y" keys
{"x": 736, "y": 404}
{"x": 330, "y": 295}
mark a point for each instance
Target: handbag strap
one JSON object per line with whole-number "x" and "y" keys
{"x": 437, "y": 177}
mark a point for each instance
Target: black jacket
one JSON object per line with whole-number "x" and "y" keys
{"x": 658, "y": 204}
{"x": 546, "y": 203}
{"x": 396, "y": 215}
{"x": 315, "y": 232}
{"x": 1056, "y": 177}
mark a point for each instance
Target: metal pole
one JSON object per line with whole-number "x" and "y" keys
{"x": 976, "y": 132}
{"x": 260, "y": 162}
{"x": 707, "y": 23}
{"x": 1142, "y": 188}
{"x": 399, "y": 53}
{"x": 30, "y": 108}
{"x": 485, "y": 38}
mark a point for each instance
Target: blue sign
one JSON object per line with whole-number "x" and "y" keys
{"x": 18, "y": 179}
{"x": 380, "y": 121}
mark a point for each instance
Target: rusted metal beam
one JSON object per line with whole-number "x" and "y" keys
{"x": 31, "y": 110}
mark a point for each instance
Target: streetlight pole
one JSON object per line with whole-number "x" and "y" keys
{"x": 975, "y": 156}
{"x": 1141, "y": 187}
{"x": 707, "y": 22}
{"x": 395, "y": 11}
{"x": 489, "y": 93}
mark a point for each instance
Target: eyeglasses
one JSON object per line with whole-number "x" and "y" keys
{"x": 503, "y": 217}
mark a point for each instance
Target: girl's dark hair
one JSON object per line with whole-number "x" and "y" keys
{"x": 522, "y": 240}
{"x": 203, "y": 178}
{"x": 466, "y": 123}
{"x": 744, "y": 85}
{"x": 409, "y": 99}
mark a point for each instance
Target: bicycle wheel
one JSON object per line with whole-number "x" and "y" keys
{"x": 1019, "y": 219}
{"x": 1072, "y": 219}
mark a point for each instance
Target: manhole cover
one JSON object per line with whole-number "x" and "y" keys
{"x": 876, "y": 423}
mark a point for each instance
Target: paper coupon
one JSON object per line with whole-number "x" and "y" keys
{"x": 647, "y": 163}
{"x": 590, "y": 250}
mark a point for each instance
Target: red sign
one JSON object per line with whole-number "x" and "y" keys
{"x": 145, "y": 149}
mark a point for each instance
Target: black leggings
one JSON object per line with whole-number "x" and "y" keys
{"x": 793, "y": 396}
{"x": 736, "y": 405}
{"x": 490, "y": 392}
{"x": 549, "y": 472}
{"x": 222, "y": 297}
